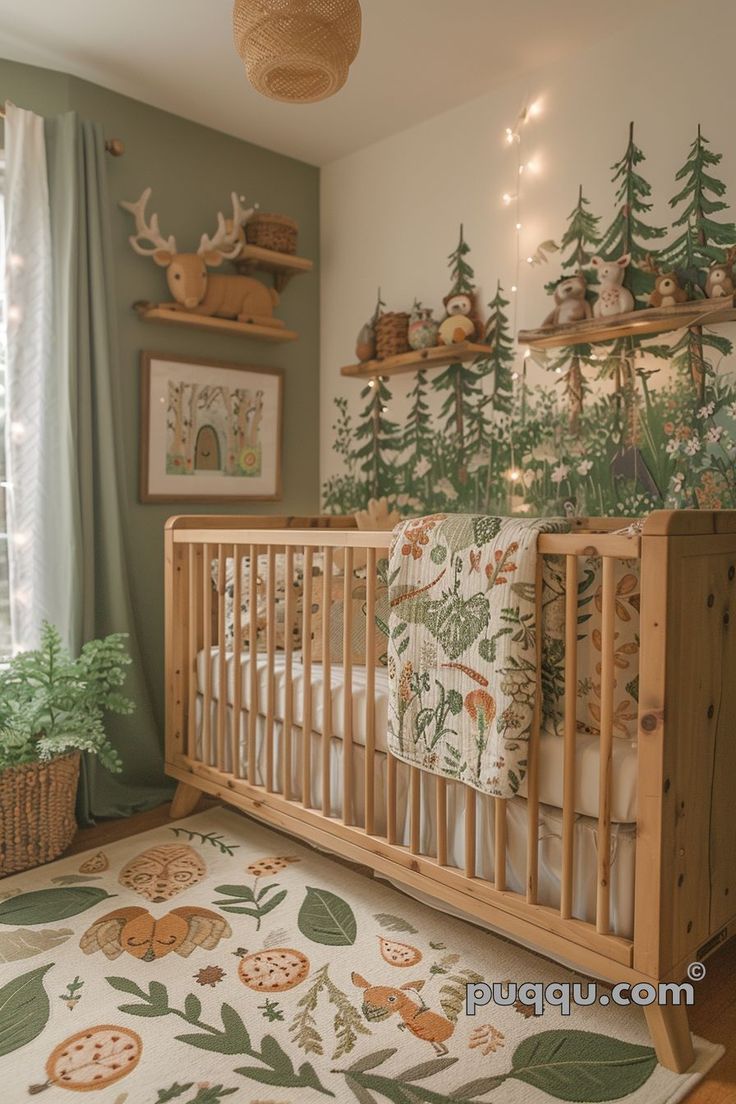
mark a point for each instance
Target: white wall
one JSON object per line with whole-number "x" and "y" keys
{"x": 390, "y": 213}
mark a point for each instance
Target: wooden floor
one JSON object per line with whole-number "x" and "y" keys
{"x": 713, "y": 1016}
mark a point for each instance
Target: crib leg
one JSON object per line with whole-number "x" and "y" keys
{"x": 185, "y": 800}
{"x": 670, "y": 1034}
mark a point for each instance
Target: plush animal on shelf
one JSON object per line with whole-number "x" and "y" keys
{"x": 613, "y": 297}
{"x": 667, "y": 287}
{"x": 462, "y": 319}
{"x": 365, "y": 346}
{"x": 571, "y": 304}
{"x": 719, "y": 281}
{"x": 195, "y": 289}
{"x": 423, "y": 328}
{"x": 382, "y": 1001}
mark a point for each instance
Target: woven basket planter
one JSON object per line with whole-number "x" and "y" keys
{"x": 277, "y": 232}
{"x": 297, "y": 51}
{"x": 37, "y": 812}
{"x": 392, "y": 334}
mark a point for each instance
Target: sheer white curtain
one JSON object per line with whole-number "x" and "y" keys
{"x": 41, "y": 485}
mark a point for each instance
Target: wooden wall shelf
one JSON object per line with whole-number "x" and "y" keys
{"x": 148, "y": 313}
{"x": 282, "y": 266}
{"x": 436, "y": 357}
{"x": 651, "y": 320}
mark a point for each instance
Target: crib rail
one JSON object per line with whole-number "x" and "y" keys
{"x": 258, "y": 741}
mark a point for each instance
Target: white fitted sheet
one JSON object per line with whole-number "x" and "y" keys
{"x": 551, "y": 752}
{"x": 623, "y": 836}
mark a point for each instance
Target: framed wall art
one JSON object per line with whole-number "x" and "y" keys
{"x": 210, "y": 430}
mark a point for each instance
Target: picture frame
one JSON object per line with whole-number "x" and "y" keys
{"x": 211, "y": 430}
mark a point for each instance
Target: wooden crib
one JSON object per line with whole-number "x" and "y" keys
{"x": 685, "y": 848}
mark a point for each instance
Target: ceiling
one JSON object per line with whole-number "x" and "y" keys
{"x": 418, "y": 58}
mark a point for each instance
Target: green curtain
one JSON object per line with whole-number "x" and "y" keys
{"x": 86, "y": 355}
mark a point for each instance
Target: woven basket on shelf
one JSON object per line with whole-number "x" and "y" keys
{"x": 37, "y": 812}
{"x": 392, "y": 334}
{"x": 298, "y": 51}
{"x": 277, "y": 232}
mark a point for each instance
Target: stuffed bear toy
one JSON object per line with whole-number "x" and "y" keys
{"x": 462, "y": 320}
{"x": 570, "y": 302}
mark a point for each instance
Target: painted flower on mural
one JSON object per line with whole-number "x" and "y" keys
{"x": 584, "y": 467}
{"x": 422, "y": 467}
{"x": 707, "y": 410}
{"x": 560, "y": 473}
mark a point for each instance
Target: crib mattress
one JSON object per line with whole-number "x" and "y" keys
{"x": 623, "y": 836}
{"x": 551, "y": 752}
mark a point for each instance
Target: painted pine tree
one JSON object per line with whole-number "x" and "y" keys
{"x": 497, "y": 367}
{"x": 378, "y": 439}
{"x": 418, "y": 440}
{"x": 629, "y": 233}
{"x": 462, "y": 382}
{"x": 579, "y": 243}
{"x": 702, "y": 240}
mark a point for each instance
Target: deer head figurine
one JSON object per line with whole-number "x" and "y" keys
{"x": 193, "y": 287}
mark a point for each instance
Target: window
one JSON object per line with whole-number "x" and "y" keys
{"x": 5, "y": 644}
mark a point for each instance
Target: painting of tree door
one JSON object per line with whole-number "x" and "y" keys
{"x": 215, "y": 427}
{"x": 207, "y": 450}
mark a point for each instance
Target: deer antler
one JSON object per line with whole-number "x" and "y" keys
{"x": 228, "y": 238}
{"x": 147, "y": 231}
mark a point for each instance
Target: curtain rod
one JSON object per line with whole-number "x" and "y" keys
{"x": 114, "y": 146}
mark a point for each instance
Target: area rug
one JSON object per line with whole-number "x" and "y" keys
{"x": 213, "y": 958}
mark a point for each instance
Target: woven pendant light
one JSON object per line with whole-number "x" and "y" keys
{"x": 298, "y": 51}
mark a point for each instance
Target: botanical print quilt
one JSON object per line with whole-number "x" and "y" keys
{"x": 462, "y": 645}
{"x": 212, "y": 960}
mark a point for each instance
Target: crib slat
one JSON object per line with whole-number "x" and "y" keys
{"x": 222, "y": 554}
{"x": 571, "y": 690}
{"x": 289, "y": 610}
{"x": 370, "y": 693}
{"x": 391, "y": 767}
{"x": 416, "y": 809}
{"x": 307, "y": 679}
{"x": 501, "y": 833}
{"x": 195, "y": 559}
{"x": 252, "y": 660}
{"x": 608, "y": 672}
{"x": 326, "y": 679}
{"x": 270, "y": 663}
{"x": 532, "y": 786}
{"x": 237, "y": 659}
{"x": 347, "y": 691}
{"x": 441, "y": 817}
{"x": 470, "y": 796}
{"x": 207, "y": 623}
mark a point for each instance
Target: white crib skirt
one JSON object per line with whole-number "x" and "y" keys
{"x": 623, "y": 836}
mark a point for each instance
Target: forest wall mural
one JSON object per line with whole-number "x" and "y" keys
{"x": 618, "y": 429}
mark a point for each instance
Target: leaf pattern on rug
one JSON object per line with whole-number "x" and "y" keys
{"x": 347, "y": 1023}
{"x": 326, "y": 918}
{"x": 253, "y": 902}
{"x": 232, "y": 1038}
{"x": 394, "y": 923}
{"x": 27, "y": 943}
{"x": 43, "y": 906}
{"x": 24, "y": 1009}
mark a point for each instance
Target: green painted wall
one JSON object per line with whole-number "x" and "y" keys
{"x": 192, "y": 170}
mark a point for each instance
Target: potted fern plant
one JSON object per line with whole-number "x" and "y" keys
{"x": 52, "y": 708}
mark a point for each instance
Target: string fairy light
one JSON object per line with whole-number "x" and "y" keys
{"x": 513, "y": 201}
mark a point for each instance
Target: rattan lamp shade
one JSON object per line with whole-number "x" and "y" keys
{"x": 298, "y": 51}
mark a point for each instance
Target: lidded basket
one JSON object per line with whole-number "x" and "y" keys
{"x": 297, "y": 51}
